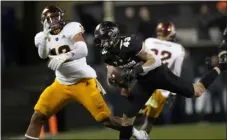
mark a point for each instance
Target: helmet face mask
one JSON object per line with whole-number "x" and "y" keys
{"x": 106, "y": 43}
{"x": 107, "y": 33}
{"x": 54, "y": 17}
{"x": 166, "y": 31}
{"x": 54, "y": 20}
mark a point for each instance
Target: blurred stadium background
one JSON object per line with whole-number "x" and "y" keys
{"x": 24, "y": 76}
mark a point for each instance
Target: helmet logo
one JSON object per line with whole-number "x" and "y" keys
{"x": 110, "y": 33}
{"x": 45, "y": 10}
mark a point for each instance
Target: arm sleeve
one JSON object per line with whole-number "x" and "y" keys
{"x": 80, "y": 50}
{"x": 40, "y": 43}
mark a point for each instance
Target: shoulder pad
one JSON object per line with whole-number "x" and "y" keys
{"x": 179, "y": 49}
{"x": 73, "y": 28}
{"x": 134, "y": 44}
{"x": 150, "y": 40}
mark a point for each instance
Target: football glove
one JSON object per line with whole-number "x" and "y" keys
{"x": 131, "y": 74}
{"x": 208, "y": 62}
{"x": 57, "y": 60}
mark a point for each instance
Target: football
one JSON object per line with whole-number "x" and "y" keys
{"x": 117, "y": 76}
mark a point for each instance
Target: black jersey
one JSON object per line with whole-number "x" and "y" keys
{"x": 125, "y": 56}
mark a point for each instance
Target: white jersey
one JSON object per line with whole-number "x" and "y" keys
{"x": 72, "y": 71}
{"x": 170, "y": 53}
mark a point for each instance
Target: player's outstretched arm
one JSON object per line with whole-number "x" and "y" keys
{"x": 210, "y": 76}
{"x": 151, "y": 61}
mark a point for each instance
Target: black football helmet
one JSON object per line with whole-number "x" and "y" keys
{"x": 54, "y": 17}
{"x": 106, "y": 34}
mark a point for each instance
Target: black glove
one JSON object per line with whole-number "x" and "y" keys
{"x": 208, "y": 62}
{"x": 131, "y": 74}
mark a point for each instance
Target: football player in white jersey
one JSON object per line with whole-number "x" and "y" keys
{"x": 172, "y": 54}
{"x": 63, "y": 43}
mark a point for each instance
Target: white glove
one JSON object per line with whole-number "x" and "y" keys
{"x": 57, "y": 60}
{"x": 46, "y": 28}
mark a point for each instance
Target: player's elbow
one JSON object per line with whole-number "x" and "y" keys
{"x": 43, "y": 53}
{"x": 42, "y": 56}
{"x": 85, "y": 50}
{"x": 82, "y": 47}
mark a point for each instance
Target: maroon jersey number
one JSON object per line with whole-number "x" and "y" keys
{"x": 165, "y": 55}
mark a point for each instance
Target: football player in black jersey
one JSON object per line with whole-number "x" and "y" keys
{"x": 138, "y": 63}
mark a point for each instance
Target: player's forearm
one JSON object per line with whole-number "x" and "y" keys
{"x": 79, "y": 51}
{"x": 43, "y": 51}
{"x": 40, "y": 43}
{"x": 110, "y": 69}
{"x": 151, "y": 63}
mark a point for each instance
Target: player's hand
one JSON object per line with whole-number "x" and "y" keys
{"x": 199, "y": 89}
{"x": 46, "y": 28}
{"x": 56, "y": 61}
{"x": 129, "y": 75}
